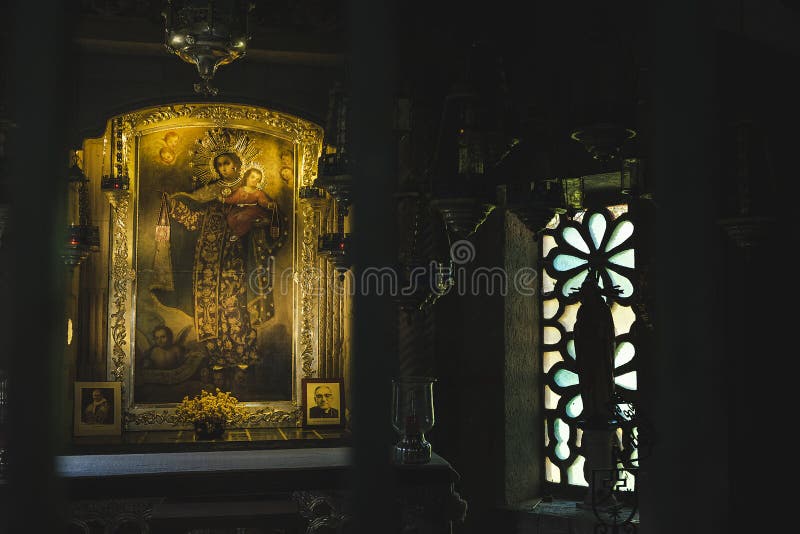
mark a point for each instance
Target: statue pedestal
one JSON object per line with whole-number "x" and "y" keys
{"x": 598, "y": 450}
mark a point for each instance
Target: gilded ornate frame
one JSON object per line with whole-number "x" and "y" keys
{"x": 311, "y": 313}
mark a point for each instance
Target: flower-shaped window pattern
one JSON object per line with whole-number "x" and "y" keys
{"x": 600, "y": 240}
{"x": 596, "y": 242}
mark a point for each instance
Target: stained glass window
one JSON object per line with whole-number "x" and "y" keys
{"x": 602, "y": 239}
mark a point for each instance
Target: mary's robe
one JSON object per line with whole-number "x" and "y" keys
{"x": 224, "y": 283}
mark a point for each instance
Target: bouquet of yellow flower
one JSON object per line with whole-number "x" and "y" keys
{"x": 209, "y": 411}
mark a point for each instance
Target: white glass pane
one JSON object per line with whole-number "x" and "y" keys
{"x": 575, "y": 406}
{"x": 554, "y": 222}
{"x": 620, "y": 234}
{"x": 565, "y": 262}
{"x": 621, "y": 281}
{"x": 575, "y": 472}
{"x": 627, "y": 483}
{"x": 574, "y": 283}
{"x": 551, "y": 335}
{"x": 560, "y": 430}
{"x": 571, "y": 348}
{"x": 574, "y": 238}
{"x": 627, "y": 381}
{"x": 551, "y": 471}
{"x": 624, "y": 317}
{"x": 551, "y": 357}
{"x": 624, "y": 258}
{"x": 597, "y": 228}
{"x": 617, "y": 210}
{"x": 624, "y": 353}
{"x": 548, "y": 243}
{"x": 562, "y": 451}
{"x": 565, "y": 378}
{"x": 549, "y": 308}
{"x": 569, "y": 316}
{"x": 548, "y": 282}
{"x": 551, "y": 398}
{"x": 623, "y": 409}
{"x": 578, "y": 437}
{"x": 546, "y": 434}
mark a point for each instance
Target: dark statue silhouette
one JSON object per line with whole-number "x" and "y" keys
{"x": 594, "y": 355}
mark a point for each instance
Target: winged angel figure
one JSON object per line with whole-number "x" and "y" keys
{"x": 165, "y": 358}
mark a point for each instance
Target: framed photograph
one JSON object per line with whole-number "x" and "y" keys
{"x": 98, "y": 409}
{"x": 323, "y": 402}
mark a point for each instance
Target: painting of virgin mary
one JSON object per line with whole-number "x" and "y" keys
{"x": 217, "y": 246}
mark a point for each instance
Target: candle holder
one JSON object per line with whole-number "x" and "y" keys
{"x": 335, "y": 247}
{"x": 412, "y": 417}
{"x": 82, "y": 237}
{"x": 115, "y": 183}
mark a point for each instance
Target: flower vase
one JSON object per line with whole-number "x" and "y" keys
{"x": 207, "y": 430}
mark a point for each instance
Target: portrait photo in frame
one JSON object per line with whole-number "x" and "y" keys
{"x": 98, "y": 409}
{"x": 323, "y": 402}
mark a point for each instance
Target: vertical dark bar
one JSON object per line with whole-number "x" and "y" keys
{"x": 39, "y": 90}
{"x": 372, "y": 82}
{"x": 685, "y": 487}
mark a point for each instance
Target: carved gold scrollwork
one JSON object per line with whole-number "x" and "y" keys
{"x": 151, "y": 418}
{"x": 255, "y": 417}
{"x": 301, "y": 131}
{"x": 160, "y": 115}
{"x": 122, "y": 276}
{"x": 310, "y": 143}
{"x": 309, "y": 279}
{"x": 273, "y": 416}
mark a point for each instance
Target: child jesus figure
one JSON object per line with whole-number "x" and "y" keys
{"x": 251, "y": 206}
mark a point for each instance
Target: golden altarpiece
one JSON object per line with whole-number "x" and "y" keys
{"x": 208, "y": 274}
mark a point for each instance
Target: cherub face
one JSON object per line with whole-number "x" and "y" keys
{"x": 162, "y": 337}
{"x": 171, "y": 139}
{"x": 167, "y": 155}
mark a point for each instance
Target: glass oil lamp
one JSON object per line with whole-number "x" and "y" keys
{"x": 412, "y": 417}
